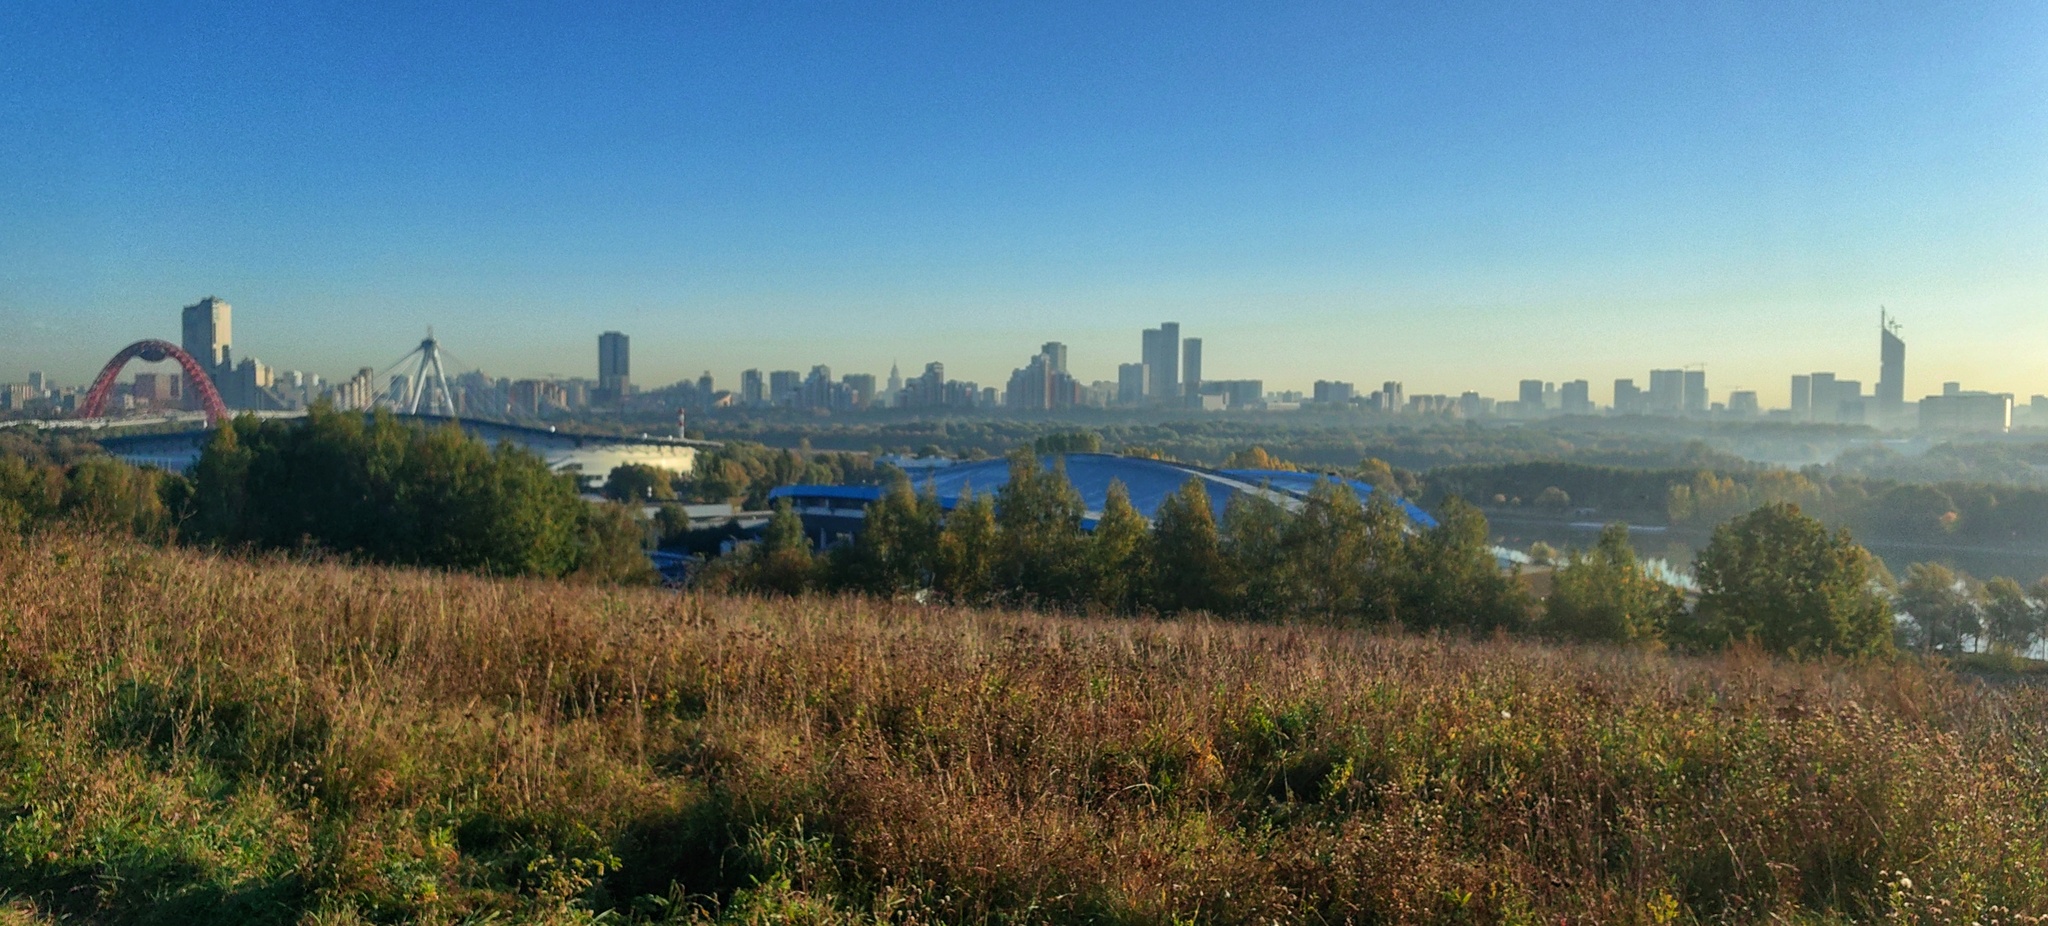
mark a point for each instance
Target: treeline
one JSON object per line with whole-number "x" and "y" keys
{"x": 370, "y": 488}
{"x": 741, "y": 473}
{"x": 1334, "y": 562}
{"x": 1311, "y": 439}
{"x": 1973, "y": 512}
{"x": 1775, "y": 577}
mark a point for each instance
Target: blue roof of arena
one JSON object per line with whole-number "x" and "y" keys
{"x": 1147, "y": 481}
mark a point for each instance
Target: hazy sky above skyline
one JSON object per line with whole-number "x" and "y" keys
{"x": 1457, "y": 200}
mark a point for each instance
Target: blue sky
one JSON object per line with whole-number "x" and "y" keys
{"x": 1355, "y": 191}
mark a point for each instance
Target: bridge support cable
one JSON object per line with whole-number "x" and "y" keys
{"x": 429, "y": 376}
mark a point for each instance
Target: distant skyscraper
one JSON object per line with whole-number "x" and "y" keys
{"x": 1057, "y": 354}
{"x": 1530, "y": 398}
{"x": 753, "y": 389}
{"x": 1891, "y": 377}
{"x": 1742, "y": 403}
{"x": 1130, "y": 384}
{"x": 1162, "y": 362}
{"x": 1576, "y": 397}
{"x": 1191, "y": 370}
{"x": 1827, "y": 407}
{"x": 1628, "y": 400}
{"x": 1392, "y": 396}
{"x": 208, "y": 327}
{"x": 1667, "y": 392}
{"x": 208, "y": 332}
{"x": 862, "y": 388}
{"x": 1695, "y": 392}
{"x": 1333, "y": 392}
{"x": 1802, "y": 398}
{"x": 895, "y": 386}
{"x": 614, "y": 367}
{"x": 782, "y": 386}
{"x": 705, "y": 386}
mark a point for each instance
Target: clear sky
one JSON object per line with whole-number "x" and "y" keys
{"x": 1356, "y": 191}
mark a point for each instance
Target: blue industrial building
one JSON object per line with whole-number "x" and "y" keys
{"x": 832, "y": 512}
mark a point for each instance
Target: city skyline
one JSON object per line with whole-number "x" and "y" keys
{"x": 1168, "y": 375}
{"x": 1455, "y": 200}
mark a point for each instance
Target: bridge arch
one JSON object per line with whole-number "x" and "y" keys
{"x": 151, "y": 351}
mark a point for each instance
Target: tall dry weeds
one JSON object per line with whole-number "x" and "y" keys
{"x": 187, "y": 737}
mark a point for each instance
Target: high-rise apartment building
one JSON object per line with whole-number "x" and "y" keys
{"x": 1056, "y": 353}
{"x": 1333, "y": 392}
{"x": 1392, "y": 396}
{"x": 782, "y": 387}
{"x": 1667, "y": 392}
{"x": 614, "y": 367}
{"x": 753, "y": 389}
{"x": 1529, "y": 399}
{"x": 1162, "y": 360}
{"x": 1130, "y": 383}
{"x": 1961, "y": 411}
{"x": 1191, "y": 370}
{"x": 1695, "y": 392}
{"x": 1575, "y": 398}
{"x": 1891, "y": 376}
{"x": 207, "y": 333}
{"x": 1802, "y": 398}
{"x": 1826, "y": 407}
{"x": 862, "y": 388}
{"x": 1628, "y": 399}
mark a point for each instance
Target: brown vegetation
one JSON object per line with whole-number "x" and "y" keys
{"x": 188, "y": 737}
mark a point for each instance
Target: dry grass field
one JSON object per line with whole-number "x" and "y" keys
{"x": 192, "y": 738}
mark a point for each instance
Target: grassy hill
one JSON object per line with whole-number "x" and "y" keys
{"x": 186, "y": 738}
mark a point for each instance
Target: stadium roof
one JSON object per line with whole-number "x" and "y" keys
{"x": 1147, "y": 481}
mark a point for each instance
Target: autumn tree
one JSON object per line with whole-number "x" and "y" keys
{"x": 1944, "y": 606}
{"x": 1119, "y": 553}
{"x": 1039, "y": 550}
{"x": 1188, "y": 571}
{"x": 1604, "y": 595}
{"x": 1778, "y": 577}
{"x": 964, "y": 570}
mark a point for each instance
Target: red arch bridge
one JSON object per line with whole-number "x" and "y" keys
{"x": 152, "y": 351}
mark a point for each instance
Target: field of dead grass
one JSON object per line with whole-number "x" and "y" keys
{"x": 194, "y": 738}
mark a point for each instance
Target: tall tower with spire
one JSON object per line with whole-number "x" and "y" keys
{"x": 1891, "y": 375}
{"x": 895, "y": 384}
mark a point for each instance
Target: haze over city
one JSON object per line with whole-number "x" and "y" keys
{"x": 1456, "y": 201}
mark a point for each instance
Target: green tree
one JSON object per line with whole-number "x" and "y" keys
{"x": 1342, "y": 558}
{"x": 638, "y": 482}
{"x": 2011, "y": 620}
{"x": 782, "y": 562}
{"x": 110, "y": 495}
{"x": 965, "y": 570}
{"x": 1776, "y": 576}
{"x": 1260, "y": 577}
{"x": 1603, "y": 595}
{"x": 1119, "y": 553}
{"x": 394, "y": 492}
{"x": 1188, "y": 570}
{"x": 1040, "y": 546}
{"x": 610, "y": 547}
{"x": 1453, "y": 580}
{"x": 1068, "y": 442}
{"x": 1944, "y": 606}
{"x": 30, "y": 493}
{"x": 898, "y": 546}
